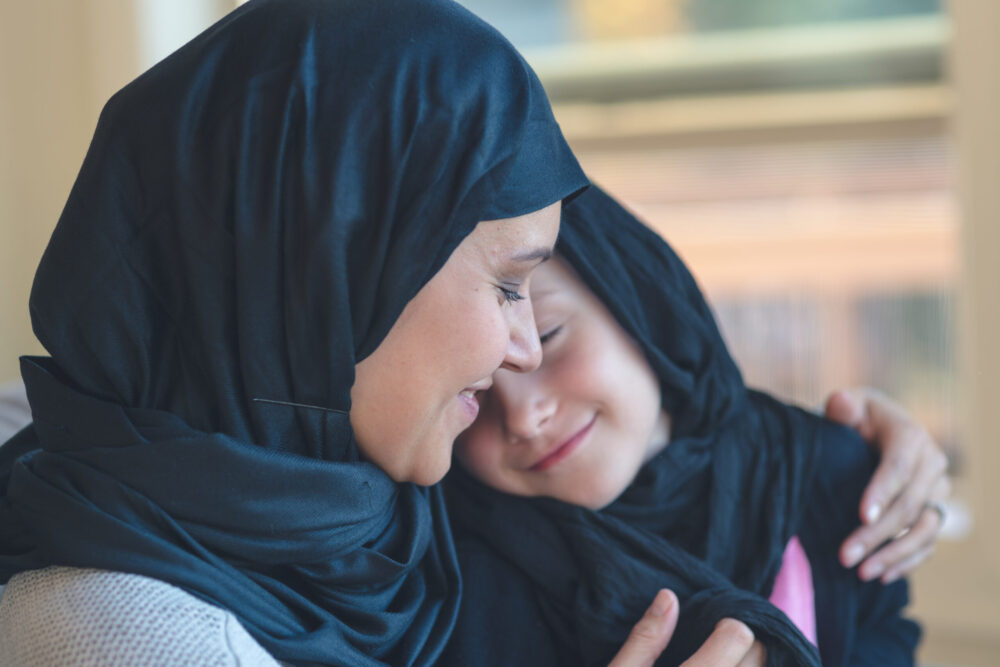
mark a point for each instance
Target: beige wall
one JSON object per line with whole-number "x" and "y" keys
{"x": 59, "y": 59}
{"x": 958, "y": 592}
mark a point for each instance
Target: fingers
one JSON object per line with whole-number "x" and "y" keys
{"x": 651, "y": 634}
{"x": 910, "y": 473}
{"x": 899, "y": 516}
{"x": 908, "y": 565}
{"x": 727, "y": 646}
{"x": 908, "y": 523}
{"x": 900, "y": 556}
{"x": 891, "y": 557}
{"x": 908, "y": 463}
{"x": 731, "y": 644}
{"x": 847, "y": 407}
{"x": 889, "y": 429}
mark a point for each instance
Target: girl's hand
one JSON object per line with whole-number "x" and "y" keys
{"x": 903, "y": 501}
{"x": 731, "y": 644}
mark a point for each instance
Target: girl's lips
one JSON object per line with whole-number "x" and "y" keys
{"x": 565, "y": 449}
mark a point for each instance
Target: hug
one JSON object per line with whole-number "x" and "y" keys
{"x": 304, "y": 267}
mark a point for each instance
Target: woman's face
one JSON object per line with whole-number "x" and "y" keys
{"x": 580, "y": 426}
{"x": 420, "y": 388}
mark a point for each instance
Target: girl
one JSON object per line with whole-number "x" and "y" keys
{"x": 634, "y": 459}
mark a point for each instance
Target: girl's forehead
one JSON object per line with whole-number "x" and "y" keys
{"x": 553, "y": 277}
{"x": 556, "y": 288}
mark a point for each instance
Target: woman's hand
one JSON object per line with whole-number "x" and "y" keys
{"x": 902, "y": 502}
{"x": 731, "y": 644}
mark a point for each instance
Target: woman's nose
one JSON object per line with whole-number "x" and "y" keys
{"x": 524, "y": 350}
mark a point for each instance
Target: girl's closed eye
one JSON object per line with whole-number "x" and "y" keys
{"x": 550, "y": 334}
{"x": 593, "y": 378}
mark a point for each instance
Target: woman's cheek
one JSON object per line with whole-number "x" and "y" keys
{"x": 487, "y": 331}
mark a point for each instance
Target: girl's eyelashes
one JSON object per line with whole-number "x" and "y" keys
{"x": 510, "y": 295}
{"x": 548, "y": 335}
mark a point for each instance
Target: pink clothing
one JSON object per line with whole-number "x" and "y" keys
{"x": 793, "y": 589}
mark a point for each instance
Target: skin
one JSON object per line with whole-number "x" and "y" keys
{"x": 913, "y": 471}
{"x": 415, "y": 393}
{"x": 584, "y": 350}
{"x": 524, "y": 414}
{"x": 593, "y": 388}
{"x": 731, "y": 644}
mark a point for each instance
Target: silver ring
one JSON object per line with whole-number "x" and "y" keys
{"x": 938, "y": 507}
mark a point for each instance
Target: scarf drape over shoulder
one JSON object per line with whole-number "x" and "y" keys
{"x": 252, "y": 216}
{"x": 708, "y": 517}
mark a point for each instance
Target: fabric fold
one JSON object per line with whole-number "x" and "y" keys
{"x": 708, "y": 517}
{"x": 252, "y": 216}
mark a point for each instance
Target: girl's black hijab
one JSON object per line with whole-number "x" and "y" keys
{"x": 252, "y": 216}
{"x": 709, "y": 517}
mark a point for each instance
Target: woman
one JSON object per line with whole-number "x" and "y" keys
{"x": 634, "y": 458}
{"x": 294, "y": 251}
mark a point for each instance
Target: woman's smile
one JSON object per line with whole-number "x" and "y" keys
{"x": 416, "y": 392}
{"x": 469, "y": 398}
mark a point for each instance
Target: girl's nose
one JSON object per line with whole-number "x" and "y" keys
{"x": 527, "y": 407}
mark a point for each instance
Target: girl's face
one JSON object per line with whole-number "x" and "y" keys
{"x": 420, "y": 388}
{"x": 580, "y": 426}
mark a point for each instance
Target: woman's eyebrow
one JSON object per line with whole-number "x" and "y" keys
{"x": 543, "y": 254}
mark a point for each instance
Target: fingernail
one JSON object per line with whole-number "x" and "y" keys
{"x": 661, "y": 603}
{"x": 854, "y": 554}
{"x": 873, "y": 513}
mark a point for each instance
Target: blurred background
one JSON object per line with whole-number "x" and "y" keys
{"x": 827, "y": 168}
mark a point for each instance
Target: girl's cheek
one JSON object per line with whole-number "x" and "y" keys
{"x": 476, "y": 460}
{"x": 596, "y": 368}
{"x": 487, "y": 452}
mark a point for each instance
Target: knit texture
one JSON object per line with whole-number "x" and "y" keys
{"x": 81, "y": 617}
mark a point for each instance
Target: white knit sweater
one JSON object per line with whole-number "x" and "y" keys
{"x": 82, "y": 618}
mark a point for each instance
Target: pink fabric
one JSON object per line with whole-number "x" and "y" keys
{"x": 793, "y": 589}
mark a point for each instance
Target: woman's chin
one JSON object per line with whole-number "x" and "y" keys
{"x": 426, "y": 472}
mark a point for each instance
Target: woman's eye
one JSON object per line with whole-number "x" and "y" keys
{"x": 548, "y": 335}
{"x": 510, "y": 295}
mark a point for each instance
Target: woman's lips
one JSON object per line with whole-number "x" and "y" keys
{"x": 467, "y": 397}
{"x": 565, "y": 449}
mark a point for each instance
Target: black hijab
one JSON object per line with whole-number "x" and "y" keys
{"x": 252, "y": 216}
{"x": 709, "y": 517}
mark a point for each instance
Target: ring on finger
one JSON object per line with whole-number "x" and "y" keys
{"x": 938, "y": 507}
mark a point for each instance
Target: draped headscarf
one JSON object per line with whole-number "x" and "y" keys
{"x": 708, "y": 517}
{"x": 251, "y": 218}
